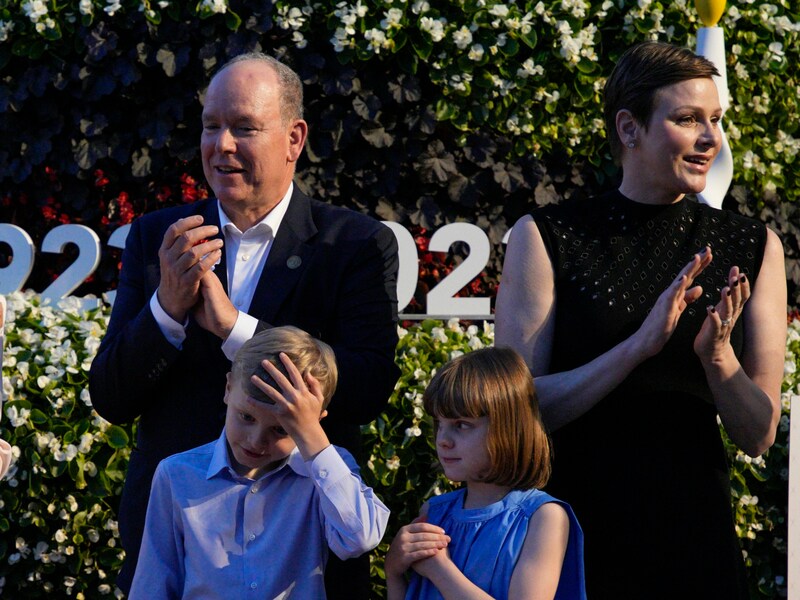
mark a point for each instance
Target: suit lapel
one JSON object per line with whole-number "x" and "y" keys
{"x": 288, "y": 258}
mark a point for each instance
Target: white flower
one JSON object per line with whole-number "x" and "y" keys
{"x": 60, "y": 536}
{"x": 413, "y": 431}
{"x": 290, "y": 18}
{"x": 215, "y": 6}
{"x": 112, "y": 7}
{"x": 434, "y": 27}
{"x": 777, "y": 49}
{"x": 392, "y": 20}
{"x": 393, "y": 463}
{"x": 420, "y": 7}
{"x": 455, "y": 354}
{"x": 299, "y": 40}
{"x": 476, "y": 52}
{"x": 34, "y": 10}
{"x": 462, "y": 38}
{"x": 377, "y": 40}
{"x": 475, "y": 343}
{"x": 86, "y": 443}
{"x": 5, "y": 29}
{"x": 18, "y": 417}
{"x": 529, "y": 69}
{"x": 438, "y": 334}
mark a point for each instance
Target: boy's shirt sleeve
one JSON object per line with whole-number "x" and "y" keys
{"x": 353, "y": 516}
{"x": 160, "y": 570}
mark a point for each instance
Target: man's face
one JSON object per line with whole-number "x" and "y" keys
{"x": 256, "y": 440}
{"x": 248, "y": 152}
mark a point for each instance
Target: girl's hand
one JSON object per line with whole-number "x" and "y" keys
{"x": 428, "y": 567}
{"x": 660, "y": 324}
{"x": 414, "y": 542}
{"x": 713, "y": 341}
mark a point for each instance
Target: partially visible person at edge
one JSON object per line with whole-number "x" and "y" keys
{"x": 644, "y": 316}
{"x": 5, "y": 448}
{"x": 197, "y": 281}
{"x": 257, "y": 513}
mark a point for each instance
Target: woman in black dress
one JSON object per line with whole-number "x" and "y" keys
{"x": 615, "y": 303}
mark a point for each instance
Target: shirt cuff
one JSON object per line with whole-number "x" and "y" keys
{"x": 243, "y": 330}
{"x": 174, "y": 332}
{"x": 327, "y": 467}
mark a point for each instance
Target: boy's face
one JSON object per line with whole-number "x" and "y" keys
{"x": 256, "y": 440}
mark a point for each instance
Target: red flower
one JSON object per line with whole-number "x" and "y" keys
{"x": 100, "y": 179}
{"x": 165, "y": 194}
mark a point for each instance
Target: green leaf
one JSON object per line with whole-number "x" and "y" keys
{"x": 423, "y": 46}
{"x": 232, "y": 20}
{"x": 117, "y": 437}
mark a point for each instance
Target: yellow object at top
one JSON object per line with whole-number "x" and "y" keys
{"x": 710, "y": 11}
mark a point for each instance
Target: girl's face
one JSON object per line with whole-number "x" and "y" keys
{"x": 462, "y": 447}
{"x": 674, "y": 153}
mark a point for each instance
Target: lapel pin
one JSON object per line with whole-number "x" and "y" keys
{"x": 294, "y": 261}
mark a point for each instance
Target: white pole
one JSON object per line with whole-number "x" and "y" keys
{"x": 793, "y": 566}
{"x": 711, "y": 45}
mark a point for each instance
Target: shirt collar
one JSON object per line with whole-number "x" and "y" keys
{"x": 271, "y": 222}
{"x": 220, "y": 461}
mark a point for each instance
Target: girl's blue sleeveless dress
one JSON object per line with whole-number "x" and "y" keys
{"x": 486, "y": 543}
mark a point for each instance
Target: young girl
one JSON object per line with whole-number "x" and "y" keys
{"x": 497, "y": 536}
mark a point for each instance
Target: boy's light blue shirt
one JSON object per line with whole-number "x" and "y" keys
{"x": 210, "y": 533}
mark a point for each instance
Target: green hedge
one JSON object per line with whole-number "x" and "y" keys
{"x": 420, "y": 112}
{"x": 58, "y": 527}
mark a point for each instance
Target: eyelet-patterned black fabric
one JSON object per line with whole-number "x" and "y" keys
{"x": 645, "y": 469}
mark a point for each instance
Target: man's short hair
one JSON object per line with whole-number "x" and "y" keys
{"x": 640, "y": 73}
{"x": 309, "y": 355}
{"x": 291, "y": 88}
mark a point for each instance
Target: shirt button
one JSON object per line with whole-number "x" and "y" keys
{"x": 245, "y": 257}
{"x": 253, "y": 585}
{"x": 254, "y": 489}
{"x": 252, "y": 536}
{"x": 323, "y": 473}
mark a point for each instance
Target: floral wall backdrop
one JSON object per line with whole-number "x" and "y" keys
{"x": 420, "y": 112}
{"x": 58, "y": 525}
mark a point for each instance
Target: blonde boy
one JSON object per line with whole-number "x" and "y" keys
{"x": 255, "y": 513}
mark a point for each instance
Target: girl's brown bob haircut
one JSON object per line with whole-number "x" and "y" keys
{"x": 309, "y": 355}
{"x": 496, "y": 383}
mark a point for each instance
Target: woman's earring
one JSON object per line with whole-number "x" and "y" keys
{"x": 631, "y": 144}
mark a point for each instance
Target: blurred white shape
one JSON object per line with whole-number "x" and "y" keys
{"x": 5, "y": 449}
{"x": 711, "y": 45}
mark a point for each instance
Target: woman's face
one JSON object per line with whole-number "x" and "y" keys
{"x": 673, "y": 155}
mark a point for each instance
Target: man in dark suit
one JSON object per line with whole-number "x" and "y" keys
{"x": 198, "y": 280}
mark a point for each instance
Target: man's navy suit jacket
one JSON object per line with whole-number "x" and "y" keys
{"x": 331, "y": 272}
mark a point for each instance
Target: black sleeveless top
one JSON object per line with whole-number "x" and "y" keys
{"x": 645, "y": 468}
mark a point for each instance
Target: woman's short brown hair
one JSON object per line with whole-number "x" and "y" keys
{"x": 640, "y": 73}
{"x": 496, "y": 383}
{"x": 309, "y": 355}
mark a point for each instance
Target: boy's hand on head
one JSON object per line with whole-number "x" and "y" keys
{"x": 298, "y": 406}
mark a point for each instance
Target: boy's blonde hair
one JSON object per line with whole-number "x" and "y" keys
{"x": 309, "y": 355}
{"x": 496, "y": 383}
